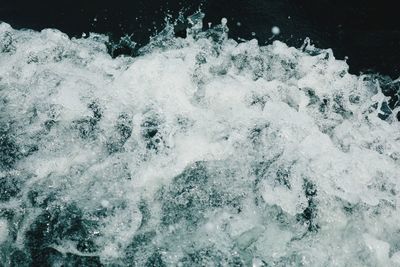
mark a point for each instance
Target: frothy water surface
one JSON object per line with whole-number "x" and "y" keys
{"x": 199, "y": 152}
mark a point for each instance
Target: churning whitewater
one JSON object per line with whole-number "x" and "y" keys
{"x": 200, "y": 151}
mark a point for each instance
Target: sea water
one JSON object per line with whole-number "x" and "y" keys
{"x": 200, "y": 151}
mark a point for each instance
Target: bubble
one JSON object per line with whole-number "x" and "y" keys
{"x": 105, "y": 203}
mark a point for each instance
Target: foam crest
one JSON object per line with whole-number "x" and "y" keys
{"x": 201, "y": 151}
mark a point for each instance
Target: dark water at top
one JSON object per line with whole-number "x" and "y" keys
{"x": 368, "y": 32}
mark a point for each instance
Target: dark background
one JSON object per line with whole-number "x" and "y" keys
{"x": 366, "y": 31}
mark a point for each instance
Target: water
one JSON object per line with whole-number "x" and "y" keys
{"x": 367, "y": 32}
{"x": 201, "y": 151}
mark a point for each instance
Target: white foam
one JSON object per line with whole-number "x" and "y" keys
{"x": 3, "y": 231}
{"x": 270, "y": 122}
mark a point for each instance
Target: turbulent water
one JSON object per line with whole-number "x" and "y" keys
{"x": 201, "y": 151}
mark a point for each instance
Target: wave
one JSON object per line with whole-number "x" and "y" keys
{"x": 200, "y": 151}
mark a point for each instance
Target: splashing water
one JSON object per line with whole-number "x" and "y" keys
{"x": 199, "y": 152}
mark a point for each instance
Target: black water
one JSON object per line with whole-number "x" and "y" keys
{"x": 367, "y": 32}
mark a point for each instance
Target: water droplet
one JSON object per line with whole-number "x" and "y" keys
{"x": 224, "y": 21}
{"x": 275, "y": 30}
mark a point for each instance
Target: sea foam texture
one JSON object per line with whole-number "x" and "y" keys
{"x": 199, "y": 152}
